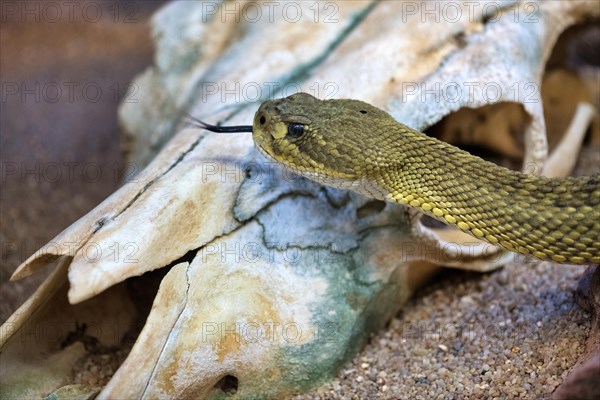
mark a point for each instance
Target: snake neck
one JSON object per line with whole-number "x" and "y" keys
{"x": 552, "y": 219}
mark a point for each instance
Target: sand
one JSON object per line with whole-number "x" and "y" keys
{"x": 513, "y": 333}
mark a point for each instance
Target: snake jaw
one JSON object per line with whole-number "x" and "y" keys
{"x": 366, "y": 187}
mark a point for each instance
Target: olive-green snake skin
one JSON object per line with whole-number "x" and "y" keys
{"x": 353, "y": 145}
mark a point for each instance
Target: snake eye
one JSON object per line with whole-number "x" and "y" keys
{"x": 295, "y": 130}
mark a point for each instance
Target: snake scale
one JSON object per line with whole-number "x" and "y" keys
{"x": 351, "y": 144}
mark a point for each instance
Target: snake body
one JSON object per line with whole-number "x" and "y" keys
{"x": 353, "y": 145}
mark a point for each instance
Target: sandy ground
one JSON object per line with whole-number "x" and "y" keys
{"x": 513, "y": 333}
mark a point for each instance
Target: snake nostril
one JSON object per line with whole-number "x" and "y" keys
{"x": 262, "y": 120}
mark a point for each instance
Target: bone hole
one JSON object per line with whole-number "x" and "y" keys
{"x": 228, "y": 384}
{"x": 248, "y": 172}
{"x": 470, "y": 129}
{"x": 371, "y": 208}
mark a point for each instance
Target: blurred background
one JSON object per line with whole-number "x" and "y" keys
{"x": 64, "y": 69}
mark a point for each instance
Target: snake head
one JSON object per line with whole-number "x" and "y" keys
{"x": 330, "y": 141}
